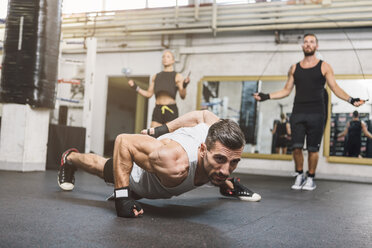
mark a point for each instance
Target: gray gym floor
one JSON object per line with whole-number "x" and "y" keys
{"x": 34, "y": 212}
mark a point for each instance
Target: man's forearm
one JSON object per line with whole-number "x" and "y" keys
{"x": 365, "y": 131}
{"x": 279, "y": 94}
{"x": 369, "y": 135}
{"x": 340, "y": 93}
{"x": 122, "y": 173}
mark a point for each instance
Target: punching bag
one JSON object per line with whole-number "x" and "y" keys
{"x": 31, "y": 49}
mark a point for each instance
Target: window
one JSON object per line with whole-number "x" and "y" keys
{"x": 166, "y": 3}
{"x": 3, "y": 8}
{"x": 140, "y": 4}
{"x": 73, "y": 6}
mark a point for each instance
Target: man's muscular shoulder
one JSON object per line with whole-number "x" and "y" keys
{"x": 326, "y": 68}
{"x": 291, "y": 70}
{"x": 169, "y": 150}
{"x": 170, "y": 163}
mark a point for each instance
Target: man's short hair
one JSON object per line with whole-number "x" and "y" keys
{"x": 355, "y": 114}
{"x": 311, "y": 34}
{"x": 227, "y": 132}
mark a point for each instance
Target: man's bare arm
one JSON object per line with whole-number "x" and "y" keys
{"x": 340, "y": 93}
{"x": 331, "y": 81}
{"x": 365, "y": 130}
{"x": 130, "y": 148}
{"x": 288, "y": 87}
{"x": 345, "y": 131}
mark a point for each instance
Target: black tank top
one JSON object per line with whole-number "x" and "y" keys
{"x": 309, "y": 89}
{"x": 355, "y": 131}
{"x": 165, "y": 81}
{"x": 281, "y": 128}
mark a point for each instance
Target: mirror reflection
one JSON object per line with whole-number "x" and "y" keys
{"x": 265, "y": 124}
{"x": 351, "y": 127}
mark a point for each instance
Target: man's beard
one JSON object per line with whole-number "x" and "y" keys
{"x": 211, "y": 181}
{"x": 311, "y": 53}
{"x": 214, "y": 183}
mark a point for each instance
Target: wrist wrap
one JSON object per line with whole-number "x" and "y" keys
{"x": 352, "y": 100}
{"x": 263, "y": 96}
{"x": 124, "y": 204}
{"x": 158, "y": 131}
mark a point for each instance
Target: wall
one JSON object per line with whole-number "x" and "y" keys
{"x": 237, "y": 54}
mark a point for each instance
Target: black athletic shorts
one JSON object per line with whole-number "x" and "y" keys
{"x": 281, "y": 142}
{"x": 165, "y": 113}
{"x": 108, "y": 171}
{"x": 310, "y": 125}
{"x": 353, "y": 148}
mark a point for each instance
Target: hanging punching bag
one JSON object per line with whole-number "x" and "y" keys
{"x": 31, "y": 49}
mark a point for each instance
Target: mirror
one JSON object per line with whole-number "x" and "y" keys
{"x": 341, "y": 114}
{"x": 231, "y": 97}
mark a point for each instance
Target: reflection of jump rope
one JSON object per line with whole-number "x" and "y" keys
{"x": 268, "y": 63}
{"x": 188, "y": 75}
{"x": 367, "y": 95}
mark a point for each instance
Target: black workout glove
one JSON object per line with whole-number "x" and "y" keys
{"x": 124, "y": 204}
{"x": 353, "y": 100}
{"x": 158, "y": 131}
{"x": 263, "y": 96}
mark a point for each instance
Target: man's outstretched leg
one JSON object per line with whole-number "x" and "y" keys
{"x": 71, "y": 160}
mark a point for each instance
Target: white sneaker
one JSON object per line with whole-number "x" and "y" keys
{"x": 299, "y": 182}
{"x": 309, "y": 184}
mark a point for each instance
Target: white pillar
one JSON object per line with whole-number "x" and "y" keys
{"x": 24, "y": 137}
{"x": 89, "y": 90}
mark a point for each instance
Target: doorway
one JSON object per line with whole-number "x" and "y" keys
{"x": 126, "y": 111}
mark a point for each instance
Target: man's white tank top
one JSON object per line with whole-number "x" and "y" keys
{"x": 148, "y": 185}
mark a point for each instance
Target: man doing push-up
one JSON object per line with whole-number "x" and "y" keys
{"x": 187, "y": 152}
